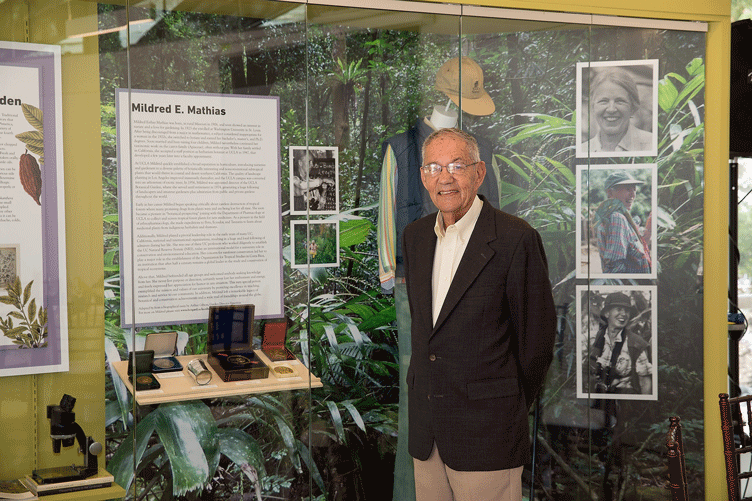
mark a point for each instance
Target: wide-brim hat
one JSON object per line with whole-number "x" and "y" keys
{"x": 621, "y": 178}
{"x": 618, "y": 299}
{"x": 466, "y": 76}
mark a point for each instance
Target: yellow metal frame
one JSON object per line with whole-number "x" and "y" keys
{"x": 24, "y": 398}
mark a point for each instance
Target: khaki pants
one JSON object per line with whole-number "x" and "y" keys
{"x": 434, "y": 481}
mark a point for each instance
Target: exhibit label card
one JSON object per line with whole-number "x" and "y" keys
{"x": 33, "y": 301}
{"x": 200, "y": 218}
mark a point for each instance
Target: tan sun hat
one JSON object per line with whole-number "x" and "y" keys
{"x": 475, "y": 100}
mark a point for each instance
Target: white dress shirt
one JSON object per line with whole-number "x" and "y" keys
{"x": 450, "y": 247}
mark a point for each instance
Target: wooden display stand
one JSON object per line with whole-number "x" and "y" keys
{"x": 180, "y": 386}
{"x": 112, "y": 491}
{"x": 78, "y": 490}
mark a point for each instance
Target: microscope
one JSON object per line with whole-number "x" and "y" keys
{"x": 64, "y": 432}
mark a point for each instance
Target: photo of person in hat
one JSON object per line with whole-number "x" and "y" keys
{"x": 621, "y": 245}
{"x": 616, "y": 234}
{"x": 618, "y": 356}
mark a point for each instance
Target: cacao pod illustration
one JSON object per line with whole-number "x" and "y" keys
{"x": 31, "y": 176}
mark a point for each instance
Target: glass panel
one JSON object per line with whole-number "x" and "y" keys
{"x": 586, "y": 442}
{"x": 540, "y": 80}
{"x": 658, "y": 264}
{"x": 372, "y": 97}
{"x": 207, "y": 107}
{"x": 192, "y": 102}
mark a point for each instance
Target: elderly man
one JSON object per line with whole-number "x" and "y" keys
{"x": 619, "y": 358}
{"x": 621, "y": 247}
{"x": 483, "y": 328}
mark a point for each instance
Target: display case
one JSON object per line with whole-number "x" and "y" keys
{"x": 265, "y": 153}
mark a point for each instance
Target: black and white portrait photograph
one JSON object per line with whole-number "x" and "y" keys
{"x": 617, "y": 108}
{"x": 314, "y": 180}
{"x": 617, "y": 355}
{"x": 616, "y": 230}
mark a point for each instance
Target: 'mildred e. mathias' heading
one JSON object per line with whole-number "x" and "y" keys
{"x": 178, "y": 108}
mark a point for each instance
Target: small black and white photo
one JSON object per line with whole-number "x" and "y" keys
{"x": 617, "y": 342}
{"x": 617, "y": 108}
{"x": 314, "y": 180}
{"x": 617, "y": 222}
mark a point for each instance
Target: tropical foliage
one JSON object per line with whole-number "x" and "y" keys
{"x": 353, "y": 88}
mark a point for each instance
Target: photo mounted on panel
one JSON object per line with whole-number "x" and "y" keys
{"x": 616, "y": 230}
{"x": 314, "y": 180}
{"x": 315, "y": 243}
{"x": 8, "y": 265}
{"x": 617, "y": 108}
{"x": 617, "y": 342}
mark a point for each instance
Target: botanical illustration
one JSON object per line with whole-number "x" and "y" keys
{"x": 29, "y": 171}
{"x": 30, "y": 328}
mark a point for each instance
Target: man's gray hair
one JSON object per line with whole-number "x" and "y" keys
{"x": 471, "y": 145}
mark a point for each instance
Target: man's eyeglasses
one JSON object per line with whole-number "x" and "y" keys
{"x": 434, "y": 169}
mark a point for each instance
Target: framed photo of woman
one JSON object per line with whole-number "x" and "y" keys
{"x": 617, "y": 342}
{"x": 617, "y": 108}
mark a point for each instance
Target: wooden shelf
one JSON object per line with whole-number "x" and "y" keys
{"x": 180, "y": 386}
{"x": 102, "y": 494}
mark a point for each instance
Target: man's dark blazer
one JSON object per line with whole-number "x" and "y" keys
{"x": 473, "y": 376}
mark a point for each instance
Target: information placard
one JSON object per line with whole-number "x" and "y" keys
{"x": 199, "y": 191}
{"x": 33, "y": 299}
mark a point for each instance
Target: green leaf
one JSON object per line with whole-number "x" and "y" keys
{"x": 381, "y": 319}
{"x": 27, "y": 292}
{"x": 121, "y": 463}
{"x": 330, "y": 335}
{"x": 667, "y": 94}
{"x": 304, "y": 453}
{"x": 357, "y": 418}
{"x": 354, "y": 232}
{"x": 32, "y": 310}
{"x": 241, "y": 449}
{"x": 363, "y": 311}
{"x": 33, "y": 115}
{"x": 32, "y": 138}
{"x": 691, "y": 89}
{"x": 337, "y": 421}
{"x": 37, "y": 150}
{"x": 109, "y": 257}
{"x": 15, "y": 332}
{"x": 696, "y": 67}
{"x": 188, "y": 432}
{"x": 289, "y": 439}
